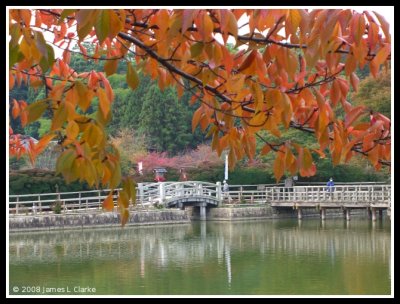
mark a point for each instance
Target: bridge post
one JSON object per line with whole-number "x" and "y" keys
{"x": 141, "y": 194}
{"x": 373, "y": 211}
{"x": 380, "y": 213}
{"x": 203, "y": 212}
{"x": 299, "y": 213}
{"x": 218, "y": 192}
{"x": 323, "y": 213}
{"x": 347, "y": 214}
{"x": 161, "y": 188}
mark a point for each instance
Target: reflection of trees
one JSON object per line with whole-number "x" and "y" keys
{"x": 187, "y": 243}
{"x": 205, "y": 258}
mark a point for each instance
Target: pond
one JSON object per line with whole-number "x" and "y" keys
{"x": 262, "y": 257}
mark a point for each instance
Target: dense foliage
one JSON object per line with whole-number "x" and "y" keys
{"x": 289, "y": 69}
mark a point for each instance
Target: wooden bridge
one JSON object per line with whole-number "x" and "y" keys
{"x": 371, "y": 196}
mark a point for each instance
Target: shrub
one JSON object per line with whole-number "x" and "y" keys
{"x": 56, "y": 207}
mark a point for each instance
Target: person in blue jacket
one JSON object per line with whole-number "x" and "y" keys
{"x": 330, "y": 186}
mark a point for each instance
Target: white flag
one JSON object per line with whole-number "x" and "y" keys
{"x": 226, "y": 166}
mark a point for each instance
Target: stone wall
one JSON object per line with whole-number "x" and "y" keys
{"x": 107, "y": 219}
{"x": 78, "y": 221}
{"x": 237, "y": 213}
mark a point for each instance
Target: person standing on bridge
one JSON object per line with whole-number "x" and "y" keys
{"x": 225, "y": 190}
{"x": 330, "y": 186}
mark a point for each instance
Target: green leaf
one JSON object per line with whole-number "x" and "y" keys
{"x": 41, "y": 44}
{"x": 85, "y": 20}
{"x": 15, "y": 55}
{"x": 102, "y": 25}
{"x": 132, "y": 77}
{"x": 46, "y": 63}
{"x": 64, "y": 162}
{"x": 65, "y": 13}
{"x": 36, "y": 109}
{"x": 196, "y": 49}
{"x": 130, "y": 187}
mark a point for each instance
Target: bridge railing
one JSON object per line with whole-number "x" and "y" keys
{"x": 69, "y": 201}
{"x": 348, "y": 193}
{"x": 150, "y": 193}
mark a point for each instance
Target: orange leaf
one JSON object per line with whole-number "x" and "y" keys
{"x": 196, "y": 118}
{"x": 382, "y": 55}
{"x": 353, "y": 115}
{"x": 335, "y": 92}
{"x": 103, "y": 102}
{"x": 208, "y": 26}
{"x": 43, "y": 142}
{"x": 279, "y": 166}
{"x": 108, "y": 203}
{"x": 265, "y": 149}
{"x": 373, "y": 155}
{"x": 354, "y": 80}
{"x": 111, "y": 66}
{"x": 248, "y": 61}
{"x": 16, "y": 109}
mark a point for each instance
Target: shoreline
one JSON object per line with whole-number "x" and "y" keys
{"x": 75, "y": 221}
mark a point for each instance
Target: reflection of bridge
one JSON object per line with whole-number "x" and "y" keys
{"x": 184, "y": 244}
{"x": 202, "y": 195}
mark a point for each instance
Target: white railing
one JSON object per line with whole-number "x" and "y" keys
{"x": 69, "y": 201}
{"x": 156, "y": 193}
{"x": 340, "y": 194}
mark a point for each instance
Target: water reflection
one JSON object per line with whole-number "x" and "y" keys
{"x": 213, "y": 257}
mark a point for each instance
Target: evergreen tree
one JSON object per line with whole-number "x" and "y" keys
{"x": 162, "y": 120}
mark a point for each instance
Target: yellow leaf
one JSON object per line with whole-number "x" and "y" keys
{"x": 84, "y": 95}
{"x": 124, "y": 216}
{"x": 115, "y": 176}
{"x": 72, "y": 129}
{"x": 60, "y": 116}
{"x": 111, "y": 66}
{"x": 123, "y": 199}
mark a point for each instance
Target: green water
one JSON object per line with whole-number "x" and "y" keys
{"x": 269, "y": 257}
